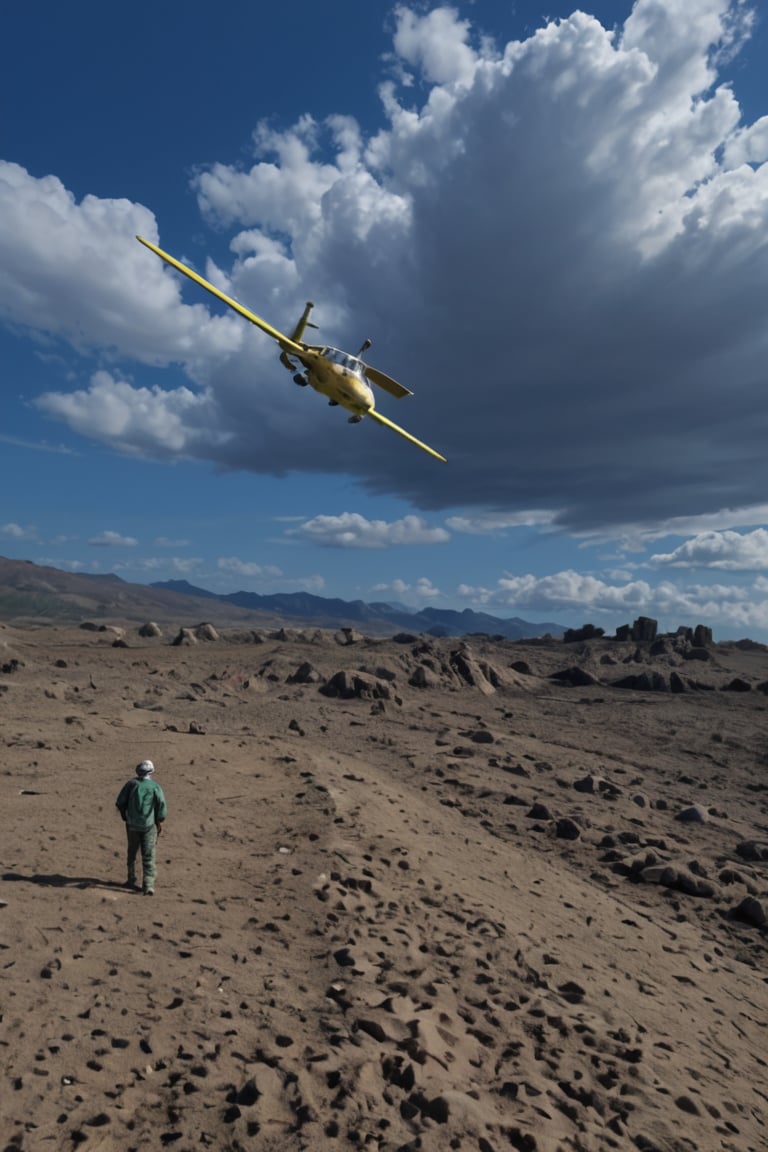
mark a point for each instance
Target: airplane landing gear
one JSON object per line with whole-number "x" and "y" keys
{"x": 300, "y": 380}
{"x": 354, "y": 419}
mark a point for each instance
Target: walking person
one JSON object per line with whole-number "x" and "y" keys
{"x": 142, "y": 805}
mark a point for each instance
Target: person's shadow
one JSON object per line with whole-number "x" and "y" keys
{"x": 56, "y": 880}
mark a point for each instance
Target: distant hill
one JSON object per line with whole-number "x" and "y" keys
{"x": 36, "y": 594}
{"x": 331, "y": 612}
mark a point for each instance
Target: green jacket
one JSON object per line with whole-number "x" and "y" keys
{"x": 141, "y": 804}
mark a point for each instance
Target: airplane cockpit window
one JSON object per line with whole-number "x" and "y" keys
{"x": 343, "y": 359}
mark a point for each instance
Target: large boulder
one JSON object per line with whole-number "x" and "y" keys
{"x": 347, "y": 636}
{"x": 475, "y": 673}
{"x": 150, "y": 629}
{"x": 738, "y": 684}
{"x": 702, "y": 636}
{"x": 752, "y": 910}
{"x": 424, "y": 677}
{"x": 184, "y": 638}
{"x": 349, "y": 684}
{"x": 586, "y": 632}
{"x": 644, "y": 628}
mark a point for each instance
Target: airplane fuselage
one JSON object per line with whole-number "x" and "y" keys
{"x": 341, "y": 378}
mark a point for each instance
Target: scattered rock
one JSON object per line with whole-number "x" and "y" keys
{"x": 678, "y": 878}
{"x": 304, "y": 674}
{"x": 693, "y": 814}
{"x": 752, "y": 850}
{"x": 752, "y": 910}
{"x": 644, "y": 682}
{"x": 347, "y": 636}
{"x": 737, "y": 685}
{"x": 567, "y": 829}
{"x": 424, "y": 677}
{"x": 593, "y": 785}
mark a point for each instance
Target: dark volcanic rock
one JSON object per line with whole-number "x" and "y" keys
{"x": 644, "y": 628}
{"x": 737, "y": 685}
{"x": 567, "y": 829}
{"x": 575, "y": 677}
{"x": 586, "y": 632}
{"x": 752, "y": 850}
{"x": 644, "y": 682}
{"x": 305, "y": 674}
{"x": 752, "y": 910}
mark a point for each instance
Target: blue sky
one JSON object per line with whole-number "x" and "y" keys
{"x": 552, "y": 224}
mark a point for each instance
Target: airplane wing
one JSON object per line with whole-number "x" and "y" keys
{"x": 386, "y": 382}
{"x": 286, "y": 343}
{"x": 374, "y": 415}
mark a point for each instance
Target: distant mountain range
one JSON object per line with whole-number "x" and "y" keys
{"x": 328, "y": 612}
{"x": 39, "y": 595}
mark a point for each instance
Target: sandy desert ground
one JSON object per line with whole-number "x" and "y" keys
{"x": 440, "y": 901}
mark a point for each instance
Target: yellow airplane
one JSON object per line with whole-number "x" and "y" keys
{"x": 344, "y": 379}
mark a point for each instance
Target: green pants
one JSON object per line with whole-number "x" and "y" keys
{"x": 146, "y": 840}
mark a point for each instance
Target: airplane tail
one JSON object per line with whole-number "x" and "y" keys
{"x": 303, "y": 323}
{"x": 298, "y": 332}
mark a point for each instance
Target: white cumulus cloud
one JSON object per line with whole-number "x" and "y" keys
{"x": 493, "y": 524}
{"x": 351, "y": 530}
{"x": 109, "y": 539}
{"x": 731, "y": 551}
{"x": 75, "y": 270}
{"x": 247, "y": 568}
{"x": 18, "y": 531}
{"x": 421, "y": 589}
